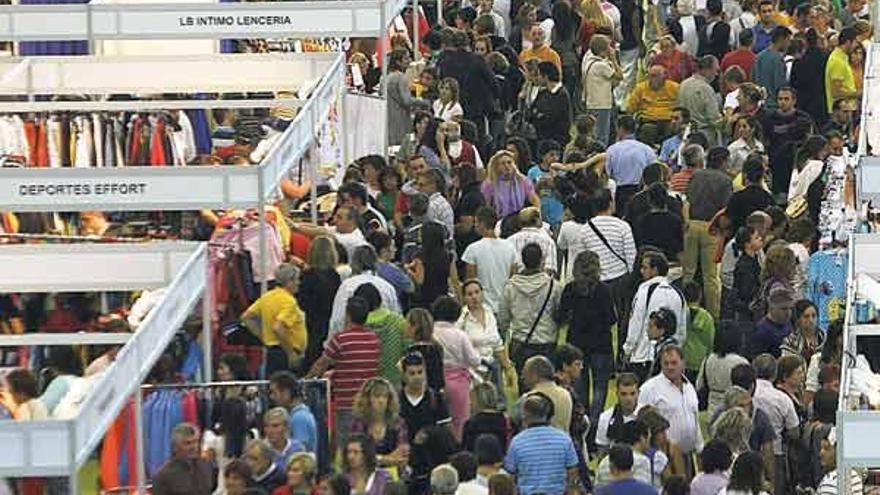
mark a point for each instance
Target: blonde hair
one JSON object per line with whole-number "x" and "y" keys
{"x": 495, "y": 162}
{"x": 733, "y": 427}
{"x": 530, "y": 217}
{"x": 363, "y": 410}
{"x": 485, "y": 397}
{"x": 308, "y": 464}
{"x": 591, "y": 10}
{"x": 322, "y": 253}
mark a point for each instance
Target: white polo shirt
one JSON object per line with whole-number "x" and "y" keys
{"x": 679, "y": 406}
{"x": 778, "y": 407}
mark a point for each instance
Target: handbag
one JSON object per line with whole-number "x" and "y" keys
{"x": 519, "y": 349}
{"x": 703, "y": 392}
{"x": 243, "y": 332}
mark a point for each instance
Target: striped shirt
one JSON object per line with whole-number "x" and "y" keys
{"x": 355, "y": 353}
{"x": 540, "y": 237}
{"x": 619, "y": 235}
{"x": 539, "y": 457}
{"x": 829, "y": 484}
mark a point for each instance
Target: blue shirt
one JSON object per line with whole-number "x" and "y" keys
{"x": 539, "y": 457}
{"x": 626, "y": 159}
{"x": 769, "y": 71}
{"x": 768, "y": 336}
{"x": 669, "y": 151}
{"x": 628, "y": 486}
{"x": 283, "y": 457}
{"x": 303, "y": 427}
{"x": 762, "y": 37}
{"x": 551, "y": 208}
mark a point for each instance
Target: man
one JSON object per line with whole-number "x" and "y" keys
{"x": 828, "y": 458}
{"x": 490, "y": 260}
{"x": 538, "y": 378}
{"x": 653, "y": 103}
{"x": 852, "y": 13}
{"x": 638, "y": 207}
{"x": 528, "y": 306}
{"x": 707, "y": 193}
{"x": 475, "y": 79}
{"x": 655, "y": 292}
{"x": 277, "y": 435}
{"x": 752, "y": 197}
{"x": 500, "y": 17}
{"x": 426, "y": 416}
{"x": 769, "y": 69}
{"x": 715, "y": 36}
{"x": 354, "y": 356}
{"x": 459, "y": 150}
{"x": 354, "y": 195}
{"x": 541, "y": 457}
{"x": 743, "y": 57}
{"x": 432, "y": 184}
{"x": 266, "y": 474}
{"x": 772, "y": 329}
{"x": 680, "y": 127}
{"x": 621, "y": 459}
{"x": 568, "y": 361}
{"x": 363, "y": 267}
{"x": 552, "y": 108}
{"x": 766, "y": 24}
{"x": 610, "y": 426}
{"x": 779, "y": 408}
{"x": 285, "y": 391}
{"x": 465, "y": 464}
{"x": 625, "y": 160}
{"x": 841, "y": 119}
{"x": 186, "y": 473}
{"x": 444, "y": 480}
{"x": 540, "y": 49}
{"x": 532, "y": 231}
{"x": 839, "y": 79}
{"x": 694, "y": 158}
{"x": 345, "y": 229}
{"x": 277, "y": 320}
{"x": 676, "y": 400}
{"x": 600, "y": 72}
{"x": 785, "y": 131}
{"x": 697, "y": 95}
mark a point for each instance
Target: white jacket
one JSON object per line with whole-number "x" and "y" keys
{"x": 638, "y": 346}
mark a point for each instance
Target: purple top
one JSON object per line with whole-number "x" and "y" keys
{"x": 507, "y": 197}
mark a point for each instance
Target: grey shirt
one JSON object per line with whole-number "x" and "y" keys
{"x": 707, "y": 193}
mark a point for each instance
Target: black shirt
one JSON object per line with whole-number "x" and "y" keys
{"x": 551, "y": 114}
{"x": 743, "y": 203}
{"x": 482, "y": 423}
{"x": 663, "y": 230}
{"x": 638, "y": 206}
{"x": 590, "y": 315}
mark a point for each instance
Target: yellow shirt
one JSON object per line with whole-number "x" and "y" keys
{"x": 544, "y": 54}
{"x": 838, "y": 69}
{"x": 278, "y": 305}
{"x": 653, "y": 105}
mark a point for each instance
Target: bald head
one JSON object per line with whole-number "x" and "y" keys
{"x": 656, "y": 76}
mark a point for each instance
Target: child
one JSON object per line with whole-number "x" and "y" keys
{"x": 542, "y": 176}
{"x": 700, "y": 332}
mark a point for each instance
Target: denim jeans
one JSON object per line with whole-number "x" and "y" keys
{"x": 600, "y": 367}
{"x": 602, "y": 130}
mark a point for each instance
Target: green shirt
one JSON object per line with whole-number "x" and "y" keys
{"x": 388, "y": 326}
{"x": 700, "y": 337}
{"x": 838, "y": 68}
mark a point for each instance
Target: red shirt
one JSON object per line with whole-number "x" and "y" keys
{"x": 744, "y": 58}
{"x": 680, "y": 180}
{"x": 356, "y": 354}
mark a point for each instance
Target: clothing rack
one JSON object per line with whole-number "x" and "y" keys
{"x": 74, "y": 238}
{"x": 148, "y": 105}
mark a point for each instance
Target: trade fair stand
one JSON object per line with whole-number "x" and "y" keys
{"x": 61, "y": 447}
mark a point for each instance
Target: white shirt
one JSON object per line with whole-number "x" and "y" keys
{"x": 493, "y": 259}
{"x": 447, "y": 112}
{"x": 778, "y": 407}
{"x": 346, "y": 290}
{"x": 829, "y": 484}
{"x": 638, "y": 345}
{"x": 471, "y": 488}
{"x": 739, "y": 151}
{"x": 679, "y": 407}
{"x": 439, "y": 210}
{"x": 537, "y": 235}
{"x": 690, "y": 38}
{"x": 641, "y": 469}
{"x": 604, "y": 422}
{"x": 349, "y": 241}
{"x": 619, "y": 235}
{"x": 800, "y": 181}
{"x": 802, "y": 254}
{"x": 485, "y": 339}
{"x": 568, "y": 240}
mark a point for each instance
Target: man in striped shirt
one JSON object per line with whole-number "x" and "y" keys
{"x": 354, "y": 356}
{"x": 532, "y": 231}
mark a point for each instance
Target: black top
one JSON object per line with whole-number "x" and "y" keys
{"x": 433, "y": 355}
{"x": 590, "y": 316}
{"x": 184, "y": 477}
{"x": 663, "y": 230}
{"x": 714, "y": 39}
{"x": 492, "y": 423}
{"x": 315, "y": 297}
{"x": 743, "y": 203}
{"x": 475, "y": 80}
{"x": 469, "y": 201}
{"x": 435, "y": 284}
{"x": 811, "y": 89}
{"x": 783, "y": 134}
{"x": 746, "y": 281}
{"x": 429, "y": 415}
{"x": 638, "y": 206}
{"x": 272, "y": 481}
{"x": 551, "y": 115}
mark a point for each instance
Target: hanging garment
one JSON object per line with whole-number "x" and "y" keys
{"x": 54, "y": 145}
{"x": 42, "y": 158}
{"x": 30, "y": 132}
{"x": 98, "y": 136}
{"x": 201, "y": 131}
{"x": 826, "y": 284}
{"x": 64, "y": 142}
{"x": 84, "y": 146}
{"x": 119, "y": 141}
{"x": 185, "y": 138}
{"x": 157, "y": 143}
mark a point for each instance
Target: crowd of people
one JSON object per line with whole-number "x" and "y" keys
{"x": 581, "y": 271}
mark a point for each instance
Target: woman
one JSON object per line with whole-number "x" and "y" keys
{"x": 389, "y": 190}
{"x": 715, "y": 461}
{"x": 433, "y": 268}
{"x": 482, "y": 46}
{"x": 431, "y": 146}
{"x": 747, "y": 476}
{"x": 807, "y": 166}
{"x": 419, "y": 126}
{"x": 485, "y": 419}
{"x": 583, "y": 141}
{"x": 857, "y": 63}
{"x": 563, "y": 39}
{"x": 588, "y": 309}
{"x": 360, "y": 466}
{"x": 458, "y": 357}
{"x": 317, "y": 287}
{"x": 20, "y": 396}
{"x": 376, "y": 415}
{"x": 466, "y": 200}
{"x": 746, "y": 140}
{"x": 806, "y": 339}
{"x": 522, "y": 154}
{"x": 478, "y": 321}
{"x": 520, "y": 35}
{"x": 790, "y": 378}
{"x": 490, "y": 456}
{"x": 401, "y": 103}
{"x": 779, "y": 269}
{"x": 301, "y": 472}
{"x": 447, "y": 107}
{"x": 505, "y": 188}
{"x": 369, "y": 75}
{"x": 420, "y": 330}
{"x": 715, "y": 371}
{"x": 65, "y": 368}
{"x": 830, "y": 355}
{"x": 747, "y": 273}
{"x": 679, "y": 65}
{"x": 593, "y": 20}
{"x": 372, "y": 168}
{"x": 733, "y": 427}
{"x": 811, "y": 89}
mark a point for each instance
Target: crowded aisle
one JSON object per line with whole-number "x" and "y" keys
{"x": 595, "y": 247}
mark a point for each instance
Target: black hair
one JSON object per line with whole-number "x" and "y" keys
{"x": 621, "y": 457}
{"x": 379, "y": 239}
{"x": 446, "y": 309}
{"x": 658, "y": 198}
{"x": 357, "y": 310}
{"x": 369, "y": 293}
{"x": 746, "y": 37}
{"x": 825, "y": 406}
{"x": 801, "y": 230}
{"x": 727, "y": 339}
{"x": 339, "y": 484}
{"x": 355, "y": 190}
{"x": 412, "y": 358}
{"x": 627, "y": 124}
{"x": 566, "y": 355}
{"x": 833, "y": 337}
{"x": 466, "y": 464}
{"x": 692, "y": 291}
{"x": 847, "y": 34}
{"x": 747, "y": 474}
{"x": 716, "y": 456}
{"x": 238, "y": 467}
{"x": 237, "y": 364}
{"x": 368, "y": 446}
{"x": 779, "y": 33}
{"x": 753, "y": 168}
{"x": 657, "y": 261}
{"x": 532, "y": 257}
{"x": 665, "y": 320}
{"x": 684, "y": 111}
{"x": 633, "y": 431}
{"x": 486, "y": 216}
{"x": 601, "y": 200}
{"x": 742, "y": 237}
{"x": 389, "y": 172}
{"x": 22, "y": 381}
{"x": 488, "y": 449}
{"x": 546, "y": 146}
{"x": 676, "y": 484}
{"x": 523, "y": 152}
{"x": 550, "y": 71}
{"x": 716, "y": 157}
{"x": 714, "y": 7}
{"x": 288, "y": 381}
{"x": 698, "y": 137}
{"x": 64, "y": 360}
{"x": 743, "y": 375}
{"x": 653, "y": 173}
